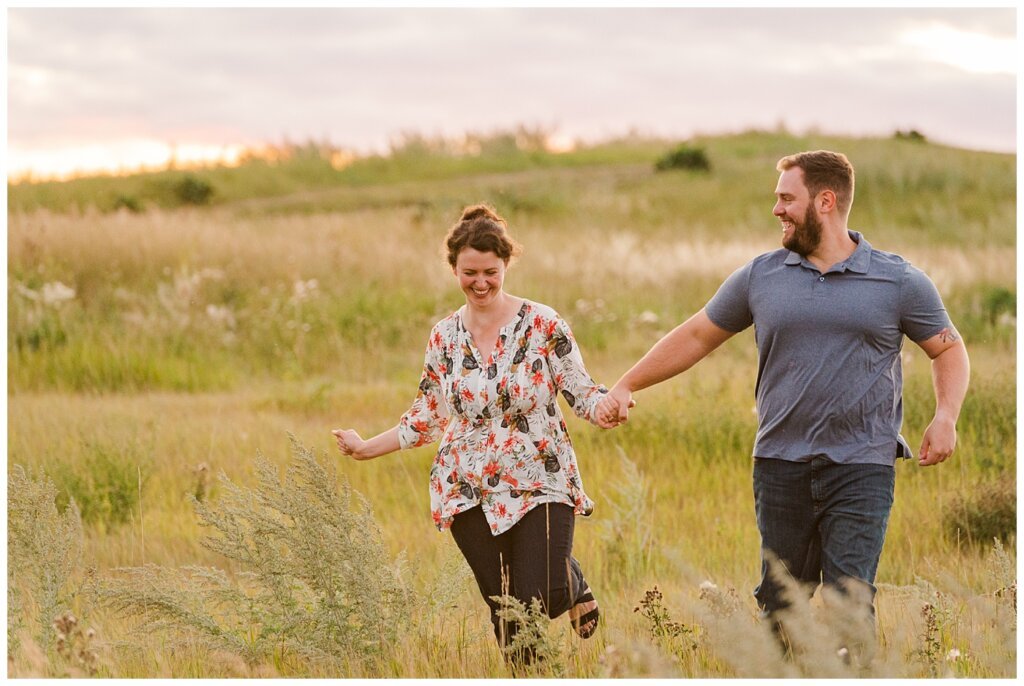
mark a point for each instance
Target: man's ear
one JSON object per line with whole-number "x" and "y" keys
{"x": 827, "y": 201}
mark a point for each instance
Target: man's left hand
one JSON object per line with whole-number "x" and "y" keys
{"x": 938, "y": 442}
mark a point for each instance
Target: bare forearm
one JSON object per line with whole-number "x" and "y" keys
{"x": 381, "y": 444}
{"x": 350, "y": 443}
{"x": 951, "y": 372}
{"x": 680, "y": 349}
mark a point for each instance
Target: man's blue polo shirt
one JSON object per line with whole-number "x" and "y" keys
{"x": 829, "y": 377}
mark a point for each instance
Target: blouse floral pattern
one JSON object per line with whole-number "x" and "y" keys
{"x": 504, "y": 444}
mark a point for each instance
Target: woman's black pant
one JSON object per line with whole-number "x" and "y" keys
{"x": 531, "y": 560}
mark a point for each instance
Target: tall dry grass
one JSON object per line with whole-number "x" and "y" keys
{"x": 150, "y": 352}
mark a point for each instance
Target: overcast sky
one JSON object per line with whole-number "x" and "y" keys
{"x": 96, "y": 78}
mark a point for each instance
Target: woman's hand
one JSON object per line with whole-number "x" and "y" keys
{"x": 608, "y": 415}
{"x": 350, "y": 443}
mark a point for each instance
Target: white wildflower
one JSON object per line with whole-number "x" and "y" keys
{"x": 186, "y": 286}
{"x": 303, "y": 290}
{"x": 953, "y": 655}
{"x": 56, "y": 292}
{"x": 221, "y": 314}
{"x": 708, "y": 585}
{"x": 648, "y": 317}
{"x": 27, "y": 292}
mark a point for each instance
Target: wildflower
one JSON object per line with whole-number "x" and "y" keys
{"x": 56, "y": 292}
{"x": 52, "y": 293}
{"x": 708, "y": 585}
{"x": 221, "y": 314}
{"x": 303, "y": 290}
{"x": 648, "y": 317}
{"x": 953, "y": 655}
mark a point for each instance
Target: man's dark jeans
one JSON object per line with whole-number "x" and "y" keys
{"x": 824, "y": 521}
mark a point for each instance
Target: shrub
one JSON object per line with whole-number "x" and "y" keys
{"x": 106, "y": 485}
{"x": 998, "y": 301}
{"x": 192, "y": 190}
{"x": 987, "y": 512}
{"x": 128, "y": 202}
{"x": 314, "y": 582}
{"x": 684, "y": 157}
{"x": 912, "y": 135}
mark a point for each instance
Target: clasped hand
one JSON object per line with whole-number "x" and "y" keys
{"x": 613, "y": 409}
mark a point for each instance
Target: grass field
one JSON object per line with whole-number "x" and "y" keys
{"x": 151, "y": 351}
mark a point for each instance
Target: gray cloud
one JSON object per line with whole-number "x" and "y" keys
{"x": 360, "y": 76}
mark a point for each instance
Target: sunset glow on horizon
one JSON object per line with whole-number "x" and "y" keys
{"x": 117, "y": 157}
{"x": 119, "y": 90}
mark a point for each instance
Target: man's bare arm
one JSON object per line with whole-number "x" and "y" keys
{"x": 951, "y": 372}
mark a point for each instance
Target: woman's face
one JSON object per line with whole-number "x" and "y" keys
{"x": 481, "y": 275}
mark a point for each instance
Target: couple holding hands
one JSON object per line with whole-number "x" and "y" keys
{"x": 830, "y": 314}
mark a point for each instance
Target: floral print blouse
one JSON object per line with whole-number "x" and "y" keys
{"x": 504, "y": 444}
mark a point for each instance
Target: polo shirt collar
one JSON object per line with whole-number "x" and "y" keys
{"x": 858, "y": 261}
{"x": 861, "y": 257}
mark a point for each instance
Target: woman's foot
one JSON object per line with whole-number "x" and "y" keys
{"x": 584, "y": 614}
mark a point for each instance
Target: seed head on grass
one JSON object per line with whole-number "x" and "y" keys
{"x": 628, "y": 523}
{"x": 1002, "y": 573}
{"x": 44, "y": 550}
{"x": 825, "y": 640}
{"x": 315, "y": 579}
{"x": 634, "y": 658}
{"x": 532, "y": 637}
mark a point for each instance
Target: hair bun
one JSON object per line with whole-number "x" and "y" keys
{"x": 480, "y": 212}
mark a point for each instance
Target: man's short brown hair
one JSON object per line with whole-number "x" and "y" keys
{"x": 824, "y": 170}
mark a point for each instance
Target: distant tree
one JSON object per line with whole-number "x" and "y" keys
{"x": 912, "y": 135}
{"x": 128, "y": 202}
{"x": 192, "y": 190}
{"x": 684, "y": 156}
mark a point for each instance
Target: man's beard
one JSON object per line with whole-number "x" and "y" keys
{"x": 806, "y": 235}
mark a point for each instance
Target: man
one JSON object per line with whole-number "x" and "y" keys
{"x": 830, "y": 313}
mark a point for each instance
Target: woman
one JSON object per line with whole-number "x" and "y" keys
{"x": 504, "y": 479}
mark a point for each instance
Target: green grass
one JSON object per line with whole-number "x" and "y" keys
{"x": 300, "y": 299}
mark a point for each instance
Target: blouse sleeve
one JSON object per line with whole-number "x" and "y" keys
{"x": 571, "y": 378}
{"x": 425, "y": 421}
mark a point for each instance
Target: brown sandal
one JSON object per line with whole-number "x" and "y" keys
{"x": 586, "y": 625}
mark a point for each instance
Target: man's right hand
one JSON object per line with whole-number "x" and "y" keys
{"x": 614, "y": 407}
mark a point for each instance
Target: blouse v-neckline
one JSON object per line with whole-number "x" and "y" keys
{"x": 520, "y": 313}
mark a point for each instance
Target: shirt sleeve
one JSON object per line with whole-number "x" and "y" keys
{"x": 571, "y": 378}
{"x": 922, "y": 314}
{"x": 729, "y": 307}
{"x": 425, "y": 421}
